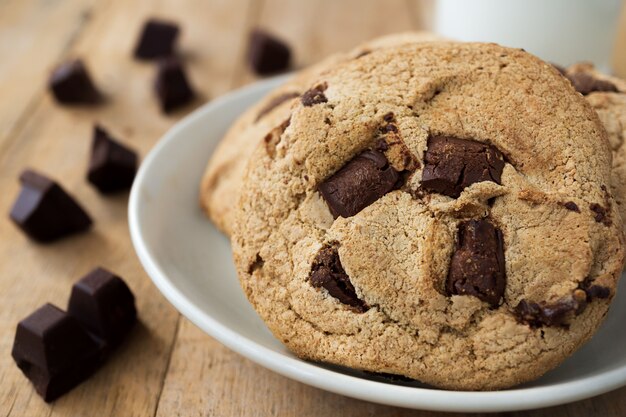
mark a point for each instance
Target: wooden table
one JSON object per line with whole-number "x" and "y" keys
{"x": 169, "y": 367}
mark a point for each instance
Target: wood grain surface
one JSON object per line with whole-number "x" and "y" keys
{"x": 168, "y": 367}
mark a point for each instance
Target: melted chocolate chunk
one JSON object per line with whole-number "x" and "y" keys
{"x": 55, "y": 352}
{"x": 477, "y": 265}
{"x": 359, "y": 183}
{"x": 452, "y": 164}
{"x": 315, "y": 95}
{"x": 601, "y": 214}
{"x": 586, "y": 84}
{"x": 172, "y": 87}
{"x": 112, "y": 166}
{"x": 44, "y": 211}
{"x": 559, "y": 313}
{"x": 275, "y": 102}
{"x": 70, "y": 84}
{"x": 267, "y": 54}
{"x": 157, "y": 39}
{"x": 328, "y": 273}
{"x": 104, "y": 304}
{"x": 570, "y": 205}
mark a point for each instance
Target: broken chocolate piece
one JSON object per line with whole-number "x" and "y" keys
{"x": 477, "y": 265}
{"x": 44, "y": 211}
{"x": 104, "y": 304}
{"x": 157, "y": 39}
{"x": 360, "y": 182}
{"x": 267, "y": 54}
{"x": 70, "y": 84}
{"x": 328, "y": 273}
{"x": 55, "y": 352}
{"x": 275, "y": 102}
{"x": 112, "y": 166}
{"x": 585, "y": 83}
{"x": 314, "y": 95}
{"x": 172, "y": 87}
{"x": 451, "y": 164}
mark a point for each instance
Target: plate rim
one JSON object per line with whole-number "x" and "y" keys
{"x": 308, "y": 373}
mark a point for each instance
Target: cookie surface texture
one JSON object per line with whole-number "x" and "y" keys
{"x": 474, "y": 244}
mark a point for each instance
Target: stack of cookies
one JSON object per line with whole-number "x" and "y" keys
{"x": 448, "y": 212}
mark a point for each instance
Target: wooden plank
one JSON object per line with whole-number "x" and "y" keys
{"x": 56, "y": 140}
{"x": 33, "y": 35}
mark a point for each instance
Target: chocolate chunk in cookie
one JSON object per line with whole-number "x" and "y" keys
{"x": 477, "y": 265}
{"x": 571, "y": 206}
{"x": 451, "y": 164}
{"x": 601, "y": 214}
{"x": 328, "y": 273}
{"x": 585, "y": 83}
{"x": 275, "y": 102}
{"x": 314, "y": 95}
{"x": 538, "y": 314}
{"x": 360, "y": 182}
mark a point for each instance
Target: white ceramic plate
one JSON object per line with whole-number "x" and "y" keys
{"x": 190, "y": 262}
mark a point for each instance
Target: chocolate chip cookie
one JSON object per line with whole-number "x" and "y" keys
{"x": 440, "y": 211}
{"x": 222, "y": 179}
{"x": 607, "y": 95}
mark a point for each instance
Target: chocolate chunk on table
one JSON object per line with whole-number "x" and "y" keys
{"x": 451, "y": 164}
{"x": 157, "y": 39}
{"x": 70, "y": 83}
{"x": 55, "y": 352}
{"x": 112, "y": 166}
{"x": 359, "y": 183}
{"x": 477, "y": 265}
{"x": 104, "y": 304}
{"x": 44, "y": 211}
{"x": 172, "y": 87}
{"x": 267, "y": 54}
{"x": 585, "y": 83}
{"x": 328, "y": 273}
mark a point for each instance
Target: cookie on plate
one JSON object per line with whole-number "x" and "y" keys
{"x": 607, "y": 95}
{"x": 440, "y": 211}
{"x": 222, "y": 179}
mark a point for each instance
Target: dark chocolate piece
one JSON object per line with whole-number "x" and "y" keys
{"x": 451, "y": 164}
{"x": 104, "y": 304}
{"x": 55, "y": 352}
{"x": 267, "y": 54}
{"x": 314, "y": 95}
{"x": 601, "y": 215}
{"x": 157, "y": 39}
{"x": 559, "y": 313}
{"x": 112, "y": 166}
{"x": 571, "y": 206}
{"x": 359, "y": 183}
{"x": 585, "y": 83}
{"x": 275, "y": 102}
{"x": 70, "y": 84}
{"x": 44, "y": 211}
{"x": 477, "y": 265}
{"x": 172, "y": 87}
{"x": 328, "y": 273}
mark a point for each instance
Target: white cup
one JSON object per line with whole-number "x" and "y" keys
{"x": 558, "y": 31}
